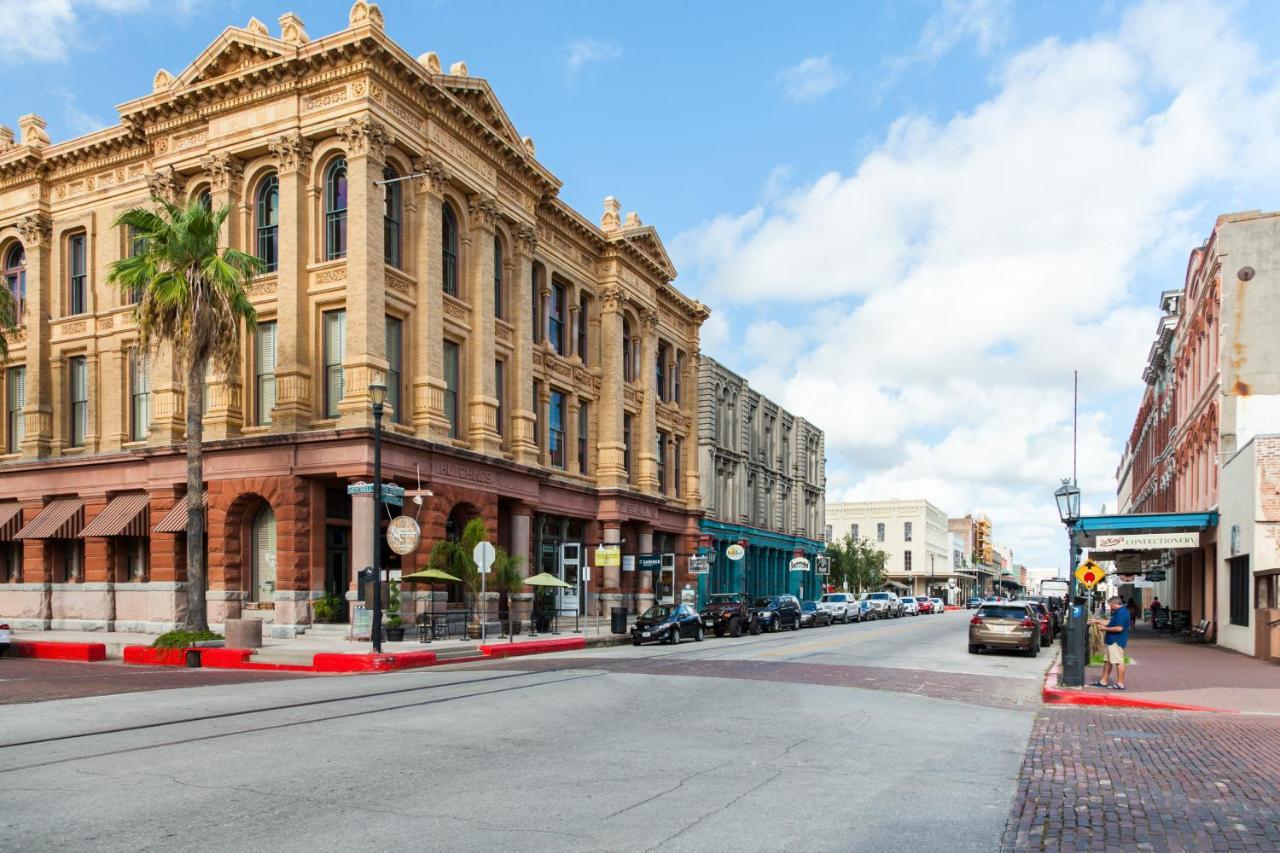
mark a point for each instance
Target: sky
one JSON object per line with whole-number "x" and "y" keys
{"x": 912, "y": 221}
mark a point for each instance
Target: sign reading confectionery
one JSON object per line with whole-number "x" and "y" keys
{"x": 1146, "y": 541}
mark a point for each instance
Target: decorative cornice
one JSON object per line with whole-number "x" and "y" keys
{"x": 612, "y": 298}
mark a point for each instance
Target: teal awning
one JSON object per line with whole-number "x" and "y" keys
{"x": 1151, "y": 522}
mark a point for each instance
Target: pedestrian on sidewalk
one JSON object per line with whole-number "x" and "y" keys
{"x": 1116, "y": 631}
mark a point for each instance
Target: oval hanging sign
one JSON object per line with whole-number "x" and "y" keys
{"x": 403, "y": 535}
{"x": 735, "y": 552}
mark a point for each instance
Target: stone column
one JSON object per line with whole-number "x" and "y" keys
{"x": 366, "y": 269}
{"x": 482, "y": 421}
{"x": 37, "y": 413}
{"x": 363, "y": 530}
{"x": 521, "y": 548}
{"x": 93, "y": 409}
{"x": 691, "y": 487}
{"x": 523, "y": 445}
{"x": 610, "y": 471}
{"x": 611, "y": 576}
{"x": 644, "y": 593}
{"x": 293, "y": 409}
{"x": 647, "y": 397}
{"x": 572, "y": 406}
{"x": 428, "y": 372}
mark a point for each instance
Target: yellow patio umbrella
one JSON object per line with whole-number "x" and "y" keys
{"x": 547, "y": 579}
{"x": 428, "y": 576}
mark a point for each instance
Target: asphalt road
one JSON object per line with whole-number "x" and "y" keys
{"x": 884, "y": 736}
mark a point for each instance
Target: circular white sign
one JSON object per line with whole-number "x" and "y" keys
{"x": 735, "y": 552}
{"x": 403, "y": 535}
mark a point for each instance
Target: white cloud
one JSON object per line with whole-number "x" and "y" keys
{"x": 940, "y": 294}
{"x": 985, "y": 22}
{"x": 585, "y": 51}
{"x": 46, "y": 30}
{"x": 810, "y": 78}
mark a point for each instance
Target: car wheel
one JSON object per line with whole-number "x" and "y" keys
{"x": 735, "y": 627}
{"x": 796, "y": 627}
{"x": 673, "y": 638}
{"x": 974, "y": 648}
{"x": 719, "y": 630}
{"x": 697, "y": 634}
{"x": 755, "y": 628}
{"x": 635, "y": 641}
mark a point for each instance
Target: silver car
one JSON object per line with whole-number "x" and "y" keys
{"x": 886, "y": 604}
{"x": 842, "y": 606}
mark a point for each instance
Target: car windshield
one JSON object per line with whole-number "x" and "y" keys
{"x": 922, "y": 598}
{"x": 657, "y": 611}
{"x": 762, "y": 602}
{"x": 723, "y": 599}
{"x": 838, "y": 596}
{"x": 808, "y": 605}
{"x": 875, "y": 596}
{"x": 1010, "y": 611}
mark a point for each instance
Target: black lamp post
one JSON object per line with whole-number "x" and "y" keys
{"x": 1068, "y": 498}
{"x": 378, "y": 394}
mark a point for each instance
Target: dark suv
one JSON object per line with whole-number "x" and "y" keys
{"x": 777, "y": 612}
{"x": 727, "y": 613}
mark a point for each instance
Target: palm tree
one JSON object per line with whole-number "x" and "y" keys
{"x": 192, "y": 298}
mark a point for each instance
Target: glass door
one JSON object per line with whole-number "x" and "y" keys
{"x": 570, "y": 564}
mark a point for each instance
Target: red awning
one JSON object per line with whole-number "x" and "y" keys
{"x": 175, "y": 520}
{"x": 126, "y": 515}
{"x": 10, "y": 520}
{"x": 60, "y": 519}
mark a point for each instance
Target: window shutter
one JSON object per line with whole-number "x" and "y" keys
{"x": 265, "y": 556}
{"x": 267, "y": 370}
{"x": 335, "y": 340}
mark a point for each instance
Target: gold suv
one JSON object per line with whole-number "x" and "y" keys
{"x": 1011, "y": 625}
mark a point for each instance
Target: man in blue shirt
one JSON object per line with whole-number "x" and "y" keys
{"x": 1117, "y": 638}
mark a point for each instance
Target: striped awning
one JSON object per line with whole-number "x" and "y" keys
{"x": 175, "y": 520}
{"x": 10, "y": 520}
{"x": 126, "y": 515}
{"x": 60, "y": 519}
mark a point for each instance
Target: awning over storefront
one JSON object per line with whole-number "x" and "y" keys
{"x": 896, "y": 585}
{"x": 126, "y": 515}
{"x": 1138, "y": 540}
{"x": 175, "y": 520}
{"x": 10, "y": 520}
{"x": 60, "y": 519}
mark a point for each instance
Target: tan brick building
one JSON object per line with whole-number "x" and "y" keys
{"x": 535, "y": 360}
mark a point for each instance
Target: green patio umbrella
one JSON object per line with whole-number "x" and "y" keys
{"x": 547, "y": 579}
{"x": 428, "y": 576}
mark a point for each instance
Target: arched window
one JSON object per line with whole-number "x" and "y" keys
{"x": 267, "y": 205}
{"x": 206, "y": 199}
{"x": 335, "y": 210}
{"x": 264, "y": 555}
{"x": 497, "y": 277}
{"x": 628, "y": 369}
{"x": 392, "y": 217}
{"x": 449, "y": 249}
{"x": 15, "y": 279}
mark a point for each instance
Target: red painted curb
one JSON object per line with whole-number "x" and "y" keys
{"x": 331, "y": 662}
{"x": 533, "y": 647}
{"x": 150, "y": 656}
{"x": 1110, "y": 699}
{"x": 51, "y": 650}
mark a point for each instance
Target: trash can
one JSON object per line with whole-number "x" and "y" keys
{"x": 618, "y": 620}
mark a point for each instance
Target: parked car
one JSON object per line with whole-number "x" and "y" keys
{"x": 909, "y": 606}
{"x": 812, "y": 615}
{"x": 777, "y": 612}
{"x": 1055, "y": 616}
{"x": 974, "y": 601}
{"x": 5, "y": 639}
{"x": 938, "y": 605}
{"x": 924, "y": 604}
{"x": 668, "y": 624}
{"x": 843, "y": 606}
{"x": 886, "y": 604}
{"x": 865, "y": 612}
{"x": 1005, "y": 626}
{"x": 1045, "y": 618}
{"x": 727, "y": 613}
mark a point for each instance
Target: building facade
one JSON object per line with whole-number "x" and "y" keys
{"x": 540, "y": 366}
{"x": 763, "y": 485}
{"x": 915, "y": 536}
{"x": 974, "y": 531}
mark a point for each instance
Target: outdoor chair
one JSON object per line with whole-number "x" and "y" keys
{"x": 1198, "y": 634}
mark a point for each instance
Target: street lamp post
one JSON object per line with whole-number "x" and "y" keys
{"x": 1074, "y": 639}
{"x": 377, "y": 394}
{"x": 1068, "y": 498}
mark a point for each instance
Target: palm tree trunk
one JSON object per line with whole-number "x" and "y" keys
{"x": 197, "y": 610}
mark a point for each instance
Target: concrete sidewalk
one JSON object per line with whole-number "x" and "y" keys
{"x": 1165, "y": 669}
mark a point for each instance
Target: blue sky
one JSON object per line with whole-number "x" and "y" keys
{"x": 912, "y": 220}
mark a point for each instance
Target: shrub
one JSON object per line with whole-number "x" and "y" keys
{"x": 330, "y": 607}
{"x": 182, "y": 639}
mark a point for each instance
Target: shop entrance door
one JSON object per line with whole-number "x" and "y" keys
{"x": 337, "y": 560}
{"x": 666, "y": 591}
{"x": 570, "y": 565}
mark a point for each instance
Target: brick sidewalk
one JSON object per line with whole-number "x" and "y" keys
{"x": 1098, "y": 779}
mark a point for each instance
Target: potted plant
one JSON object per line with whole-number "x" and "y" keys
{"x": 330, "y": 607}
{"x": 393, "y": 623}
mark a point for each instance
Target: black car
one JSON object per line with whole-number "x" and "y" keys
{"x": 668, "y": 624}
{"x": 728, "y": 613}
{"x": 811, "y": 615}
{"x": 776, "y": 612}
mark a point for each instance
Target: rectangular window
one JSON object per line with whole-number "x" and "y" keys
{"x": 15, "y": 397}
{"x": 136, "y": 557}
{"x": 11, "y": 554}
{"x": 136, "y": 245}
{"x": 536, "y": 278}
{"x": 660, "y": 373}
{"x": 335, "y": 349}
{"x": 500, "y": 391}
{"x": 78, "y": 265}
{"x": 853, "y": 531}
{"x": 78, "y": 379}
{"x": 394, "y": 333}
{"x": 906, "y": 531}
{"x": 1239, "y": 603}
{"x": 906, "y": 561}
{"x": 555, "y": 424}
{"x": 264, "y": 372}
{"x": 679, "y": 372}
{"x": 661, "y": 450}
{"x": 880, "y": 531}
{"x": 537, "y": 414}
{"x": 140, "y": 390}
{"x": 555, "y": 319}
{"x": 626, "y": 444}
{"x": 72, "y": 560}
{"x": 582, "y": 329}
{"x": 584, "y": 426}
{"x": 451, "y": 379}
{"x": 679, "y": 466}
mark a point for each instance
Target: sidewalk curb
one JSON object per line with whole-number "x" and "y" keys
{"x": 53, "y": 650}
{"x": 1052, "y": 695}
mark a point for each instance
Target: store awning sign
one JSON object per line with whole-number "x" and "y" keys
{"x": 1146, "y": 541}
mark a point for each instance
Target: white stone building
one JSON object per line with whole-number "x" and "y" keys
{"x": 913, "y": 533}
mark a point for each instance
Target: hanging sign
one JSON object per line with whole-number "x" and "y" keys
{"x": 608, "y": 555}
{"x": 735, "y": 552}
{"x": 403, "y": 535}
{"x": 698, "y": 566}
{"x": 800, "y": 564}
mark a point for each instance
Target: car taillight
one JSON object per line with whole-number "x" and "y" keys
{"x": 1026, "y": 623}
{"x": 977, "y": 620}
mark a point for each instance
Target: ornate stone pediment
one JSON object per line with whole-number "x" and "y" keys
{"x": 232, "y": 52}
{"x": 479, "y": 98}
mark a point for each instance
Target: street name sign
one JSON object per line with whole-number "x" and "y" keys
{"x": 1089, "y": 574}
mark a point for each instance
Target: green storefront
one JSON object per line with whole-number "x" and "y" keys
{"x": 764, "y": 570}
